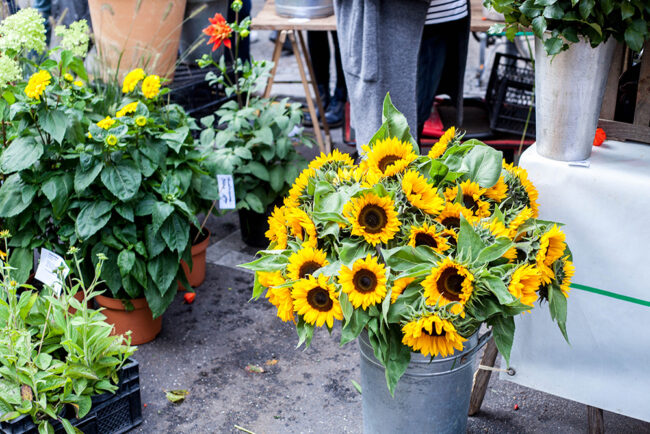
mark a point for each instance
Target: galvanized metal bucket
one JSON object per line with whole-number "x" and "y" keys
{"x": 569, "y": 91}
{"x": 431, "y": 397}
{"x": 305, "y": 8}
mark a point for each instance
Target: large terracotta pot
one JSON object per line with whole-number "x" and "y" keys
{"x": 144, "y": 328}
{"x": 197, "y": 276}
{"x": 138, "y": 33}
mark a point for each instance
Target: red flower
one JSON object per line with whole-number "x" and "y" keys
{"x": 189, "y": 297}
{"x": 600, "y": 137}
{"x": 219, "y": 31}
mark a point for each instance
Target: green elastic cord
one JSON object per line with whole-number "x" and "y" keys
{"x": 611, "y": 294}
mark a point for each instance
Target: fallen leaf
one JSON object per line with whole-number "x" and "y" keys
{"x": 176, "y": 396}
{"x": 271, "y": 362}
{"x": 26, "y": 393}
{"x": 255, "y": 368}
{"x": 357, "y": 386}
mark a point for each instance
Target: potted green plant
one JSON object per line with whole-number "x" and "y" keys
{"x": 574, "y": 44}
{"x": 254, "y": 137}
{"x": 121, "y": 178}
{"x": 57, "y": 366}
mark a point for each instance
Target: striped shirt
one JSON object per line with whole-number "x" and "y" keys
{"x": 441, "y": 11}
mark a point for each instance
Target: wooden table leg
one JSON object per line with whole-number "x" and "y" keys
{"x": 595, "y": 420}
{"x": 277, "y": 51}
{"x": 312, "y": 79}
{"x": 305, "y": 84}
{"x": 482, "y": 378}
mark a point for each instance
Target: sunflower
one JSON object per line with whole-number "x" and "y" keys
{"x": 498, "y": 191}
{"x": 151, "y": 86}
{"x": 521, "y": 176}
{"x": 451, "y": 236}
{"x": 316, "y": 300}
{"x": 524, "y": 283}
{"x": 399, "y": 286}
{"x": 388, "y": 157}
{"x": 432, "y": 335}
{"x": 449, "y": 217}
{"x": 567, "y": 272}
{"x": 441, "y": 145}
{"x": 127, "y": 109}
{"x": 448, "y": 282}
{"x": 551, "y": 248}
{"x": 365, "y": 283}
{"x": 345, "y": 174}
{"x": 269, "y": 279}
{"x": 426, "y": 235}
{"x": 334, "y": 157}
{"x": 281, "y": 298}
{"x": 421, "y": 194}
{"x": 37, "y": 84}
{"x": 522, "y": 217}
{"x": 305, "y": 262}
{"x": 277, "y": 232}
{"x": 132, "y": 79}
{"x": 301, "y": 227}
{"x": 299, "y": 187}
{"x": 471, "y": 193}
{"x": 372, "y": 217}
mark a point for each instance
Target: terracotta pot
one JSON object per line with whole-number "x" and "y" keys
{"x": 197, "y": 276}
{"x": 144, "y": 328}
{"x": 138, "y": 34}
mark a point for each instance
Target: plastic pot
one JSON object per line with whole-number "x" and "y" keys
{"x": 144, "y": 328}
{"x": 196, "y": 276}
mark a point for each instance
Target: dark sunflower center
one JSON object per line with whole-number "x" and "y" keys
{"x": 319, "y": 299}
{"x": 424, "y": 239}
{"x": 451, "y": 222}
{"x": 521, "y": 255}
{"x": 308, "y": 268}
{"x": 365, "y": 281}
{"x": 469, "y": 202}
{"x": 433, "y": 331}
{"x": 450, "y": 284}
{"x": 373, "y": 218}
{"x": 388, "y": 160}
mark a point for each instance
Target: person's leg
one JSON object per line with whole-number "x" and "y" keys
{"x": 431, "y": 61}
{"x": 336, "y": 110}
{"x": 319, "y": 52}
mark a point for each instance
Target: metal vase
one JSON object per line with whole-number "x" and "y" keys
{"x": 305, "y": 8}
{"x": 431, "y": 397}
{"x": 569, "y": 91}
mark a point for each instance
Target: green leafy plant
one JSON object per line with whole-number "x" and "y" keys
{"x": 51, "y": 357}
{"x": 560, "y": 22}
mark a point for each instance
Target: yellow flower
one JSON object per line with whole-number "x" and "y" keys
{"x": 68, "y": 77}
{"x": 317, "y": 301}
{"x": 37, "y": 84}
{"x": 278, "y": 297}
{"x": 471, "y": 194}
{"x": 522, "y": 217}
{"x": 498, "y": 191}
{"x": 299, "y": 188}
{"x": 90, "y": 136}
{"x": 277, "y": 232}
{"x": 441, "y": 145}
{"x": 141, "y": 121}
{"x": 111, "y": 140}
{"x": 301, "y": 227}
{"x": 151, "y": 86}
{"x": 421, "y": 194}
{"x": 387, "y": 157}
{"x": 399, "y": 286}
{"x": 524, "y": 283}
{"x": 521, "y": 175}
{"x": 129, "y": 108}
{"x": 305, "y": 262}
{"x": 448, "y": 282}
{"x": 78, "y": 83}
{"x": 106, "y": 123}
{"x": 365, "y": 282}
{"x": 426, "y": 235}
{"x": 432, "y": 335}
{"x": 269, "y": 279}
{"x": 372, "y": 217}
{"x": 334, "y": 157}
{"x": 567, "y": 271}
{"x": 551, "y": 248}
{"x": 132, "y": 79}
{"x": 3, "y": 255}
{"x": 450, "y": 215}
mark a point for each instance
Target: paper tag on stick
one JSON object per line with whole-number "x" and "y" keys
{"x": 226, "y": 192}
{"x": 48, "y": 270}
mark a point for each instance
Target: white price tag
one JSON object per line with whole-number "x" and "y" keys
{"x": 48, "y": 270}
{"x": 226, "y": 192}
{"x": 580, "y": 163}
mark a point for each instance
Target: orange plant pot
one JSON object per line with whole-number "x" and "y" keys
{"x": 197, "y": 276}
{"x": 144, "y": 328}
{"x": 138, "y": 34}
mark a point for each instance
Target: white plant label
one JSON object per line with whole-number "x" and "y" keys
{"x": 226, "y": 192}
{"x": 48, "y": 270}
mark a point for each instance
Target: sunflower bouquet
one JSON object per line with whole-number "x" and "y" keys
{"x": 417, "y": 251}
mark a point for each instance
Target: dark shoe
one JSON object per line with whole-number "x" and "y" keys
{"x": 325, "y": 100}
{"x": 336, "y": 110}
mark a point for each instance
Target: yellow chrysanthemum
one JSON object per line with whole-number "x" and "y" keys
{"x": 524, "y": 283}
{"x": 301, "y": 227}
{"x": 78, "y": 83}
{"x": 111, "y": 140}
{"x": 316, "y": 300}
{"x": 37, "y": 84}
{"x": 472, "y": 194}
{"x": 127, "y": 109}
{"x": 449, "y": 217}
{"x": 522, "y": 217}
{"x": 498, "y": 191}
{"x": 141, "y": 121}
{"x": 432, "y": 335}
{"x": 427, "y": 235}
{"x": 441, "y": 145}
{"x": 551, "y": 248}
{"x": 567, "y": 272}
{"x": 299, "y": 188}
{"x": 399, "y": 286}
{"x": 277, "y": 232}
{"x": 365, "y": 282}
{"x": 305, "y": 262}
{"x": 335, "y": 156}
{"x": 3, "y": 255}
{"x": 68, "y": 77}
{"x": 132, "y": 79}
{"x": 106, "y": 123}
{"x": 151, "y": 86}
{"x": 388, "y": 157}
{"x": 447, "y": 283}
{"x": 372, "y": 217}
{"x": 530, "y": 189}
{"x": 421, "y": 194}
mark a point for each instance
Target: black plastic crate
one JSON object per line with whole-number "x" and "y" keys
{"x": 110, "y": 414}
{"x": 510, "y": 94}
{"x": 191, "y": 91}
